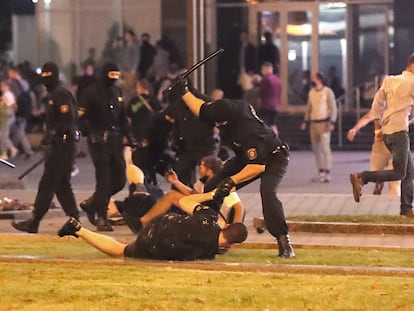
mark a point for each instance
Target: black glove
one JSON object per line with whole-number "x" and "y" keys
{"x": 224, "y": 188}
{"x": 178, "y": 87}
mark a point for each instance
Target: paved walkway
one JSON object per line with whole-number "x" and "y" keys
{"x": 299, "y": 195}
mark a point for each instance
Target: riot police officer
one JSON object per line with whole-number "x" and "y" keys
{"x": 259, "y": 153}
{"x": 60, "y": 138}
{"x": 103, "y": 119}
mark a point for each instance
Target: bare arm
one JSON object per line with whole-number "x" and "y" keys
{"x": 172, "y": 178}
{"x": 365, "y": 119}
{"x": 193, "y": 103}
{"x": 188, "y": 203}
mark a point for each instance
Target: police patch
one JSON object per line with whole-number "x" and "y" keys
{"x": 120, "y": 99}
{"x": 64, "y": 108}
{"x": 252, "y": 153}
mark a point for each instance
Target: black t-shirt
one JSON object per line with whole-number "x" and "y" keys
{"x": 178, "y": 237}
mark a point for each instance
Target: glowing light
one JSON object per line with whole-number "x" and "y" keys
{"x": 292, "y": 55}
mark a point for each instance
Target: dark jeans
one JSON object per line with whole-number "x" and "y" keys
{"x": 399, "y": 146}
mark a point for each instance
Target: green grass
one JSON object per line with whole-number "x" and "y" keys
{"x": 71, "y": 275}
{"x": 48, "y": 247}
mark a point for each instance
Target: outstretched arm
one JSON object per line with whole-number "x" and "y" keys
{"x": 104, "y": 243}
{"x": 365, "y": 119}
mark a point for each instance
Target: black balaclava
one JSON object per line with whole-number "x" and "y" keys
{"x": 109, "y": 74}
{"x": 50, "y": 75}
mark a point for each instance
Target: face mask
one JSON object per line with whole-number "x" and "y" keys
{"x": 50, "y": 75}
{"x": 110, "y": 74}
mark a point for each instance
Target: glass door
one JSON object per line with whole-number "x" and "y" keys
{"x": 294, "y": 29}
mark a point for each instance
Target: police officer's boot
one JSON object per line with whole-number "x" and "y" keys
{"x": 31, "y": 225}
{"x": 285, "y": 246}
{"x": 86, "y": 206}
{"x": 102, "y": 224}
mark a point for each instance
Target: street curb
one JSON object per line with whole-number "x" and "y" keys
{"x": 344, "y": 227}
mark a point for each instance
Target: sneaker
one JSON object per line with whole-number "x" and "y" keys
{"x": 138, "y": 190}
{"x": 327, "y": 178}
{"x": 322, "y": 176}
{"x": 70, "y": 228}
{"x": 356, "y": 182}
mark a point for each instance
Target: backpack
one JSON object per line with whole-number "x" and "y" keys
{"x": 24, "y": 103}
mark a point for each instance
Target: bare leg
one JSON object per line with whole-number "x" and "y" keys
{"x": 102, "y": 242}
{"x": 162, "y": 206}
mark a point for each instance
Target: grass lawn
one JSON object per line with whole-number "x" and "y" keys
{"x": 47, "y": 273}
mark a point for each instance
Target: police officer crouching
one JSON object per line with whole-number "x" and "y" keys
{"x": 259, "y": 153}
{"x": 60, "y": 138}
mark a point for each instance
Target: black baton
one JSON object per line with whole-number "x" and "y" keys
{"x": 194, "y": 67}
{"x": 7, "y": 163}
{"x": 25, "y": 173}
{"x": 201, "y": 63}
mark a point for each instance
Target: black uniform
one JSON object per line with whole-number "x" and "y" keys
{"x": 178, "y": 237}
{"x": 103, "y": 119}
{"x": 193, "y": 140}
{"x": 61, "y": 137}
{"x": 150, "y": 129}
{"x": 253, "y": 142}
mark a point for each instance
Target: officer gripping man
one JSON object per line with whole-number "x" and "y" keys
{"x": 259, "y": 153}
{"x": 103, "y": 119}
{"x": 61, "y": 137}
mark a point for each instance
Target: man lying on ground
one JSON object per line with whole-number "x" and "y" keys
{"x": 142, "y": 205}
{"x": 170, "y": 237}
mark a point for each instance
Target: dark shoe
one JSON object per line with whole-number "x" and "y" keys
{"x": 133, "y": 223}
{"x": 409, "y": 214}
{"x": 86, "y": 206}
{"x": 378, "y": 188}
{"x": 285, "y": 247}
{"x": 103, "y": 225}
{"x": 116, "y": 221}
{"x": 138, "y": 190}
{"x": 356, "y": 182}
{"x": 31, "y": 225}
{"x": 70, "y": 228}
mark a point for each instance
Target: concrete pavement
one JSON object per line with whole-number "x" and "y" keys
{"x": 300, "y": 196}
